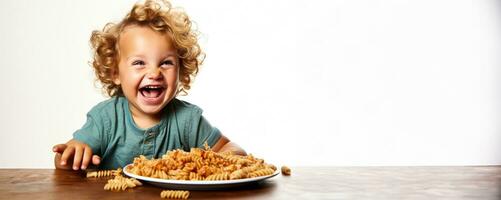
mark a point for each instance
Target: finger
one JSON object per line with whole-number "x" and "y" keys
{"x": 59, "y": 148}
{"x": 77, "y": 160}
{"x": 86, "y": 157}
{"x": 66, "y": 154}
{"x": 96, "y": 160}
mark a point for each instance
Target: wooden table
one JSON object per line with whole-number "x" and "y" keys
{"x": 483, "y": 182}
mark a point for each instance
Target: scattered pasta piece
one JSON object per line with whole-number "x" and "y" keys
{"x": 175, "y": 194}
{"x": 286, "y": 170}
{"x": 120, "y": 183}
{"x": 201, "y": 164}
{"x": 104, "y": 173}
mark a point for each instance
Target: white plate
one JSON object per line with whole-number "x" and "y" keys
{"x": 199, "y": 185}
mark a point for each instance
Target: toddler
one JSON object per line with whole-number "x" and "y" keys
{"x": 143, "y": 63}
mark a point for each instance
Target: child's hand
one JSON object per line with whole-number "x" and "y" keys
{"x": 81, "y": 152}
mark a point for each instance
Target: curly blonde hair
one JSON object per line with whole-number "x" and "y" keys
{"x": 161, "y": 17}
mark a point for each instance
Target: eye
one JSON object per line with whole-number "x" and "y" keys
{"x": 167, "y": 63}
{"x": 138, "y": 62}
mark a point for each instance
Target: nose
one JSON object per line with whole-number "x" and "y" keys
{"x": 154, "y": 73}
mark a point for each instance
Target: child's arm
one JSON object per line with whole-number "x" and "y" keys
{"x": 224, "y": 144}
{"x": 74, "y": 153}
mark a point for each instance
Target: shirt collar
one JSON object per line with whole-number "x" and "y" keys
{"x": 137, "y": 129}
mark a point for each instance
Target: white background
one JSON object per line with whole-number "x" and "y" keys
{"x": 313, "y": 82}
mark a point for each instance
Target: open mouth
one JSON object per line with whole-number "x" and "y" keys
{"x": 151, "y": 91}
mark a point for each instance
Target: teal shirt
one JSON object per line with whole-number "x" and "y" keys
{"x": 112, "y": 134}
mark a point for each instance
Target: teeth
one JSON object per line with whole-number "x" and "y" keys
{"x": 152, "y": 87}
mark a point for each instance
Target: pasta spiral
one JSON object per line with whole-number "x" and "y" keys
{"x": 104, "y": 173}
{"x": 218, "y": 177}
{"x": 286, "y": 170}
{"x": 261, "y": 172}
{"x": 174, "y": 194}
{"x": 121, "y": 183}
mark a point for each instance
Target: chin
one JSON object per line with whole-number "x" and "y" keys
{"x": 152, "y": 110}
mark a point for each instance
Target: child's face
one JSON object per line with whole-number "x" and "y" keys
{"x": 148, "y": 69}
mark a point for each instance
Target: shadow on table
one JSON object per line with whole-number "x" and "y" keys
{"x": 72, "y": 181}
{"x": 264, "y": 188}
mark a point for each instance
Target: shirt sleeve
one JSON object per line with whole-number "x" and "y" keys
{"x": 91, "y": 134}
{"x": 202, "y": 131}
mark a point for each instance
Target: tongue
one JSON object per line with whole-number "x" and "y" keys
{"x": 151, "y": 93}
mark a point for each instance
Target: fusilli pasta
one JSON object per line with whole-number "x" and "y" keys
{"x": 286, "y": 170}
{"x": 104, "y": 173}
{"x": 201, "y": 164}
{"x": 174, "y": 194}
{"x": 121, "y": 183}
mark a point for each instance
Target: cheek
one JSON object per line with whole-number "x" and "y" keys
{"x": 172, "y": 77}
{"x": 130, "y": 80}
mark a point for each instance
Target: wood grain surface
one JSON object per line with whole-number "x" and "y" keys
{"x": 482, "y": 182}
